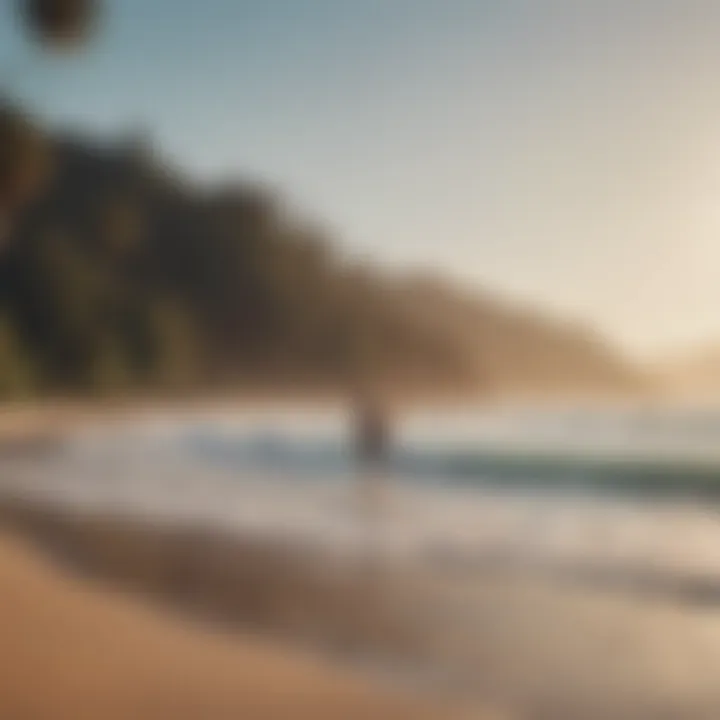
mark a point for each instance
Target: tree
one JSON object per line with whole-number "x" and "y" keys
{"x": 120, "y": 227}
{"x": 175, "y": 347}
{"x": 110, "y": 371}
{"x": 24, "y": 160}
{"x": 17, "y": 378}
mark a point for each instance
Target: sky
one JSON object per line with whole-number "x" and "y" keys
{"x": 562, "y": 152}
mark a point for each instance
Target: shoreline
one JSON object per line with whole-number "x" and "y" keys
{"x": 519, "y": 642}
{"x": 38, "y": 413}
{"x": 389, "y": 628}
{"x": 73, "y": 650}
{"x": 267, "y": 603}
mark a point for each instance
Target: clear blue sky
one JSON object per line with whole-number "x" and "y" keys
{"x": 565, "y": 152}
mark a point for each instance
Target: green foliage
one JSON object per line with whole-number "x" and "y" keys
{"x": 175, "y": 349}
{"x": 120, "y": 226}
{"x": 23, "y": 158}
{"x": 110, "y": 371}
{"x": 17, "y": 379}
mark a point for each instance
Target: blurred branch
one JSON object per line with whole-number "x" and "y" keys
{"x": 59, "y": 25}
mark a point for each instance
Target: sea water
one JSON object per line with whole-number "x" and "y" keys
{"x": 621, "y": 492}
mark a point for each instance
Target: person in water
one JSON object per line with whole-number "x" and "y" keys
{"x": 372, "y": 434}
{"x": 372, "y": 448}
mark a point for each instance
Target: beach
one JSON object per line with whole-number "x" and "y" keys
{"x": 540, "y": 602}
{"x": 119, "y": 616}
{"x": 71, "y": 648}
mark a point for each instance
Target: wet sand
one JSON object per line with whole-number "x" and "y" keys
{"x": 72, "y": 650}
{"x": 113, "y": 619}
{"x": 536, "y": 649}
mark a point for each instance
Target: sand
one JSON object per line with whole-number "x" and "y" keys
{"x": 74, "y": 647}
{"x": 536, "y": 648}
{"x": 70, "y": 649}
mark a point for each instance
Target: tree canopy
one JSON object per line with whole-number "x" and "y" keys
{"x": 23, "y": 158}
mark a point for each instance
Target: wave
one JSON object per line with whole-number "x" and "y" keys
{"x": 534, "y": 470}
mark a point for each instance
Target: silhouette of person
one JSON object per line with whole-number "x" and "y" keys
{"x": 372, "y": 434}
{"x": 372, "y": 446}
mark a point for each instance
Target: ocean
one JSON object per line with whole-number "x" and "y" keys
{"x": 617, "y": 495}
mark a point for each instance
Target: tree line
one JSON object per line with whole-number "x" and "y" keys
{"x": 120, "y": 275}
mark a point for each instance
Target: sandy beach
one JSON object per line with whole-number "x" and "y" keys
{"x": 201, "y": 625}
{"x": 103, "y": 618}
{"x": 72, "y": 649}
{"x": 140, "y": 588}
